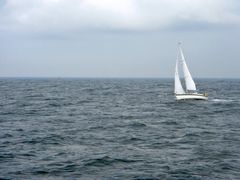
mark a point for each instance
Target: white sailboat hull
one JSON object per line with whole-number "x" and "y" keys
{"x": 191, "y": 96}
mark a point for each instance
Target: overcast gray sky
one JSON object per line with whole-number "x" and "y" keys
{"x": 118, "y": 38}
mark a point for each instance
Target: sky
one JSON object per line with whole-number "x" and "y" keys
{"x": 118, "y": 38}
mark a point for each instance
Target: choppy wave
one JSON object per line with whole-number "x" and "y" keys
{"x": 107, "y": 161}
{"x": 117, "y": 129}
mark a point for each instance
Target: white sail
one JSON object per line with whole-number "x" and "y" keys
{"x": 190, "y": 85}
{"x": 178, "y": 85}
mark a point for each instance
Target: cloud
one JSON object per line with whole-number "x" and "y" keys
{"x": 75, "y": 15}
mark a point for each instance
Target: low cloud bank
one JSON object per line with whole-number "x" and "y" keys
{"x": 75, "y": 15}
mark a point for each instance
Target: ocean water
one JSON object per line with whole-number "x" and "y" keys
{"x": 117, "y": 129}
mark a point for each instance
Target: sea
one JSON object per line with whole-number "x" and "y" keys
{"x": 96, "y": 128}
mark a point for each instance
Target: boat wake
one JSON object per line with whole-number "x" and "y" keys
{"x": 222, "y": 100}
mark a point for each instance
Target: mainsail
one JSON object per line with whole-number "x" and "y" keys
{"x": 178, "y": 85}
{"x": 190, "y": 85}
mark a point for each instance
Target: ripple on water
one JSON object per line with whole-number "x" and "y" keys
{"x": 117, "y": 129}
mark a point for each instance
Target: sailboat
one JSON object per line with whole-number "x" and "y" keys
{"x": 190, "y": 92}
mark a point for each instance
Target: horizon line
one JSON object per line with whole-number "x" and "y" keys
{"x": 102, "y": 77}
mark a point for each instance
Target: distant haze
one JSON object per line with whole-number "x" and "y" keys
{"x": 118, "y": 38}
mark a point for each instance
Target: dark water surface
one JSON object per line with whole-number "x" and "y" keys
{"x": 117, "y": 129}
